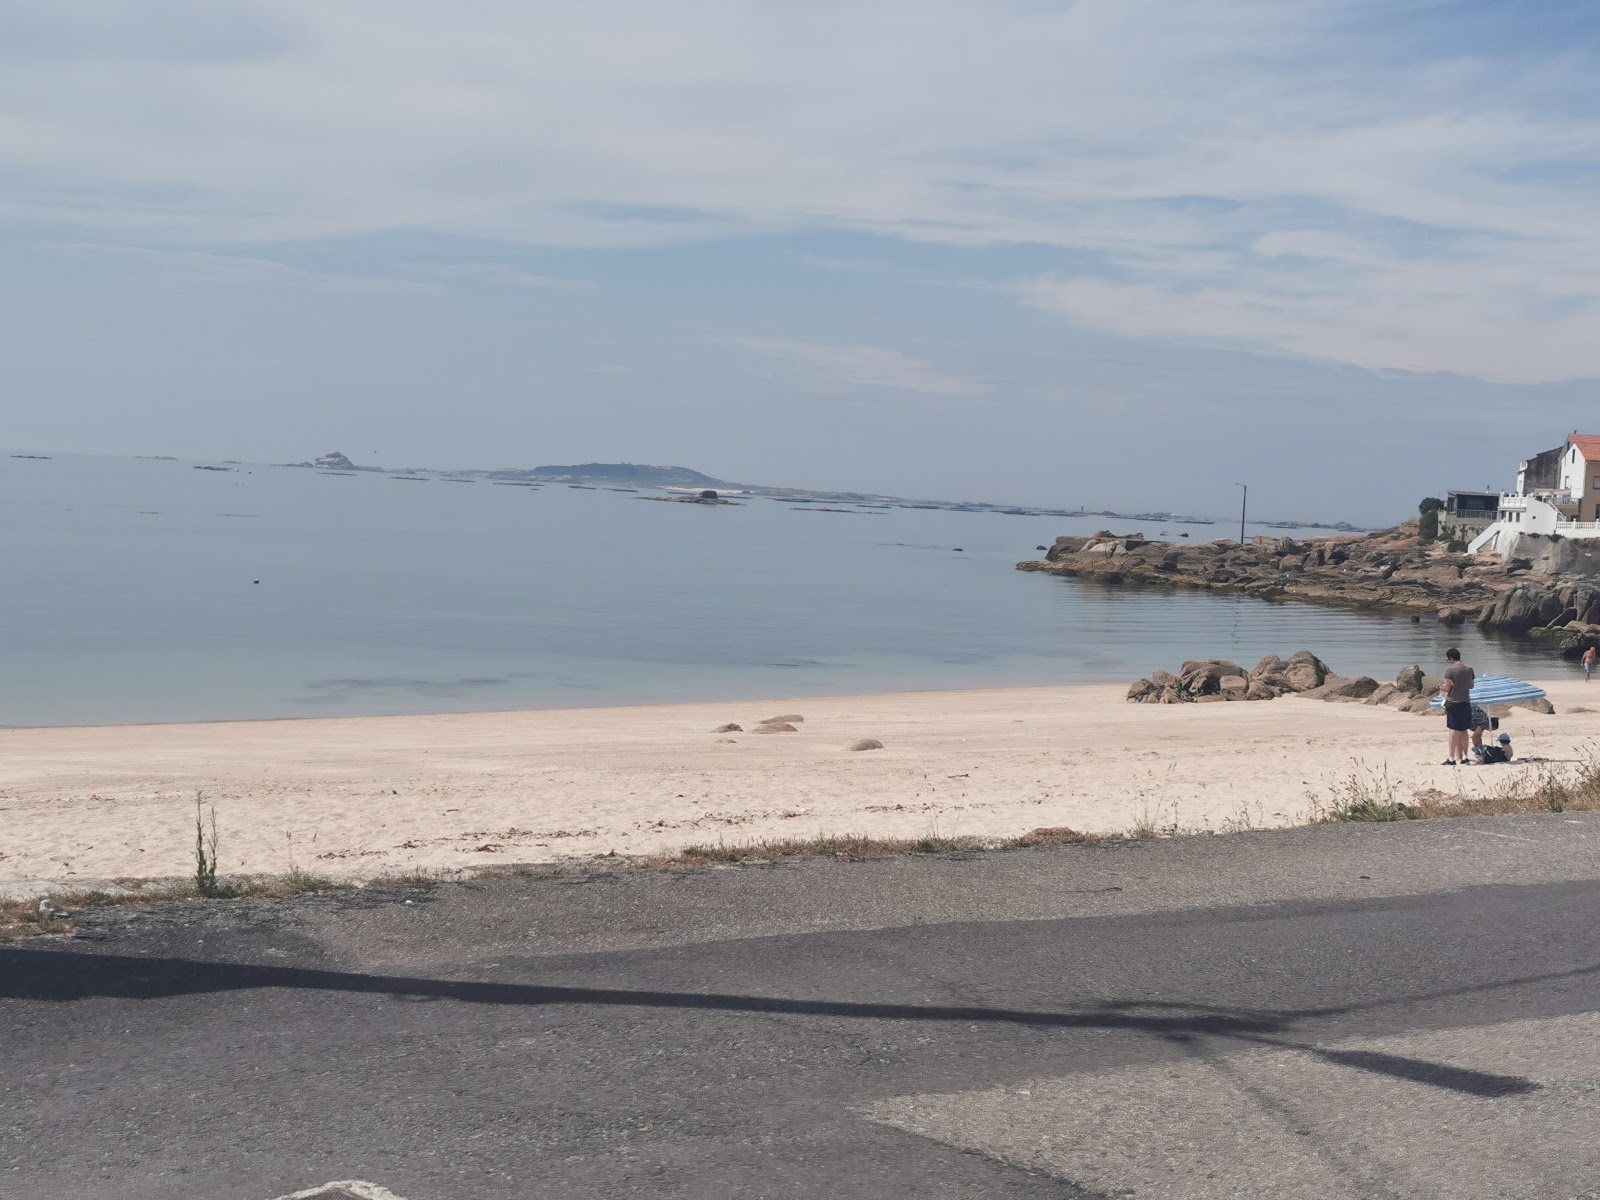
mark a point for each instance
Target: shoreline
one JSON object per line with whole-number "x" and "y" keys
{"x": 361, "y": 796}
{"x": 548, "y": 708}
{"x": 1378, "y": 572}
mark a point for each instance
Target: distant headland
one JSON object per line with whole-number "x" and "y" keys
{"x": 635, "y": 475}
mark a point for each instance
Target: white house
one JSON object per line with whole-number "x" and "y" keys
{"x": 1558, "y": 492}
{"x": 1580, "y": 476}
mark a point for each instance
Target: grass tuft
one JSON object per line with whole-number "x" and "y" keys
{"x": 297, "y": 882}
{"x": 1367, "y": 797}
{"x": 857, "y": 847}
{"x": 52, "y": 914}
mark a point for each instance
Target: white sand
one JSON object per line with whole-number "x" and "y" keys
{"x": 366, "y": 794}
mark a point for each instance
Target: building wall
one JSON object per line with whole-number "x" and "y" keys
{"x": 1543, "y": 470}
{"x": 1462, "y": 528}
{"x": 1578, "y": 476}
{"x": 1521, "y": 516}
{"x": 1572, "y": 470}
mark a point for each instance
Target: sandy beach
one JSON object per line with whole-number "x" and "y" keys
{"x": 373, "y": 794}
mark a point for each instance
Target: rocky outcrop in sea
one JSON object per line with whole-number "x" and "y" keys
{"x": 1551, "y": 592}
{"x": 332, "y": 461}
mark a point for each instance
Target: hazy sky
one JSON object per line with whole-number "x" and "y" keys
{"x": 1113, "y": 252}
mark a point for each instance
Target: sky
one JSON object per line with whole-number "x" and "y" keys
{"x": 1118, "y": 253}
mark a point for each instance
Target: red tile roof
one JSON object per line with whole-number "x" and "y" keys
{"x": 1588, "y": 445}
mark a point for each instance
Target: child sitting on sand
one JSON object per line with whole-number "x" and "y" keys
{"x": 1497, "y": 752}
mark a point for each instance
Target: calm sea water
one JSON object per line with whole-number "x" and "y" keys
{"x": 128, "y": 593}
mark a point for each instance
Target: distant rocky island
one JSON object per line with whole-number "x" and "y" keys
{"x": 627, "y": 473}
{"x": 671, "y": 478}
{"x": 334, "y": 461}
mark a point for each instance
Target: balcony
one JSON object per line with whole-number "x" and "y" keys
{"x": 1516, "y": 501}
{"x": 1553, "y": 498}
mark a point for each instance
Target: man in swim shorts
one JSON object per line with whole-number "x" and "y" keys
{"x": 1457, "y": 692}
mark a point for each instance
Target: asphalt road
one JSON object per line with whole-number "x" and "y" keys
{"x": 1382, "y": 1011}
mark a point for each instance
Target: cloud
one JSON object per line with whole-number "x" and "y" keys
{"x": 834, "y": 367}
{"x": 1404, "y": 183}
{"x": 500, "y": 274}
{"x": 242, "y": 269}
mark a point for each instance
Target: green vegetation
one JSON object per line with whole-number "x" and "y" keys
{"x": 1428, "y": 525}
{"x": 205, "y": 856}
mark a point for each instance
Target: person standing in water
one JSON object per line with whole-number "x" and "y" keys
{"x": 1457, "y": 692}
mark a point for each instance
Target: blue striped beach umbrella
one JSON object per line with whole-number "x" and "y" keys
{"x": 1498, "y": 689}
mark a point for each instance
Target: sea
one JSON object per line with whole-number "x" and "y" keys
{"x": 140, "y": 590}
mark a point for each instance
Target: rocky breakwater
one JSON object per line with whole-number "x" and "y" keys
{"x": 1546, "y": 588}
{"x": 1203, "y": 680}
{"x": 1213, "y": 680}
{"x": 1379, "y": 571}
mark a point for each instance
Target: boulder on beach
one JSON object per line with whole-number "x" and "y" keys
{"x": 1216, "y": 680}
{"x": 789, "y": 718}
{"x": 1305, "y": 671}
{"x": 1541, "y": 705}
{"x": 774, "y": 727}
{"x": 865, "y": 744}
{"x": 730, "y": 727}
{"x": 1270, "y": 665}
{"x": 1212, "y": 676}
{"x": 1337, "y": 687}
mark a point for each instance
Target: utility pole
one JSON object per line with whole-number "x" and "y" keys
{"x": 1244, "y": 500}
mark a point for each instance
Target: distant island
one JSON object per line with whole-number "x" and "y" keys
{"x": 670, "y": 478}
{"x": 629, "y": 473}
{"x": 334, "y": 461}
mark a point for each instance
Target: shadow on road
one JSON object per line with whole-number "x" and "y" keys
{"x": 55, "y": 976}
